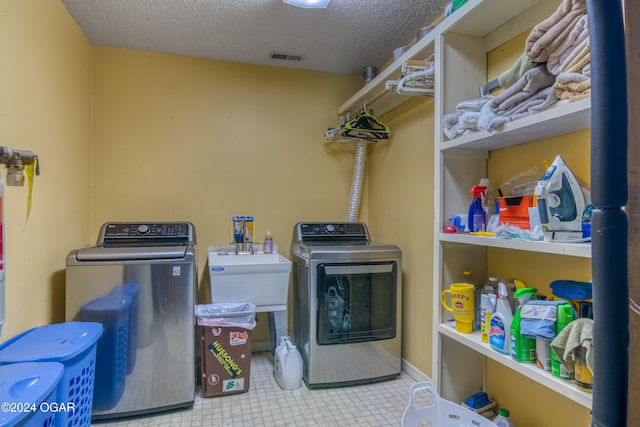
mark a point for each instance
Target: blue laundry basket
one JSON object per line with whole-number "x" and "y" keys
{"x": 131, "y": 289}
{"x": 28, "y": 393}
{"x": 112, "y": 311}
{"x": 74, "y": 345}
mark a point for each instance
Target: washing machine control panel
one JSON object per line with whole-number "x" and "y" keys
{"x": 331, "y": 232}
{"x": 128, "y": 233}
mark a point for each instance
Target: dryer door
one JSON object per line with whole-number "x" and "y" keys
{"x": 356, "y": 302}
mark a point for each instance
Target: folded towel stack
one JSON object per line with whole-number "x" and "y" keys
{"x": 530, "y": 94}
{"x": 555, "y": 65}
{"x": 465, "y": 120}
{"x": 553, "y": 35}
{"x": 574, "y": 83}
{"x": 511, "y": 76}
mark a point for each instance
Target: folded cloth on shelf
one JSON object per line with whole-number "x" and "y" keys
{"x": 511, "y": 76}
{"x": 465, "y": 120}
{"x": 546, "y": 36}
{"x": 538, "y": 319}
{"x": 574, "y": 83}
{"x": 529, "y": 95}
{"x": 578, "y": 333}
{"x": 561, "y": 57}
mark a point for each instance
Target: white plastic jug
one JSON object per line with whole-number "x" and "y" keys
{"x": 288, "y": 371}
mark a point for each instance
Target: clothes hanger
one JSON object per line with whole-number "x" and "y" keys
{"x": 367, "y": 123}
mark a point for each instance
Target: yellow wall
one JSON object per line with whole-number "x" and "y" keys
{"x": 45, "y": 82}
{"x": 129, "y": 135}
{"x": 401, "y": 212}
{"x": 180, "y": 138}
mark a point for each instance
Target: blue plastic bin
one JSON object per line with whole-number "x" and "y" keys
{"x": 74, "y": 345}
{"x": 131, "y": 289}
{"x": 111, "y": 356}
{"x": 28, "y": 392}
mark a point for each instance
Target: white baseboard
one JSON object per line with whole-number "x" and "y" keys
{"x": 416, "y": 374}
{"x": 260, "y": 346}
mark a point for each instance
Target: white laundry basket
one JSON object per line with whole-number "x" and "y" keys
{"x": 440, "y": 413}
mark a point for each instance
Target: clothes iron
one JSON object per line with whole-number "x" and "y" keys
{"x": 560, "y": 202}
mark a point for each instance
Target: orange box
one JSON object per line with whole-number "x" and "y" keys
{"x": 515, "y": 210}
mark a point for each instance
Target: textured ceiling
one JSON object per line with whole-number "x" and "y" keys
{"x": 342, "y": 38}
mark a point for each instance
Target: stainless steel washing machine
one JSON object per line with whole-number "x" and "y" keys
{"x": 140, "y": 282}
{"x": 346, "y": 311}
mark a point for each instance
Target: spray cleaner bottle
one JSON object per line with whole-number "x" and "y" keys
{"x": 477, "y": 218}
{"x": 500, "y": 324}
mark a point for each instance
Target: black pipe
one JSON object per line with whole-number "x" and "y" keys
{"x": 609, "y": 194}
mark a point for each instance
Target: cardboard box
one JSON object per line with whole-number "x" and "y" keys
{"x": 515, "y": 210}
{"x": 226, "y": 360}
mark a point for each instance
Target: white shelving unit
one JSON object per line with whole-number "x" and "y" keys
{"x": 460, "y": 44}
{"x": 421, "y": 50}
{"x": 461, "y": 52}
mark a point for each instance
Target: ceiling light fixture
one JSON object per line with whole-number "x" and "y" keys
{"x": 308, "y": 4}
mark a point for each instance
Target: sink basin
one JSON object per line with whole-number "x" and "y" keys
{"x": 262, "y": 279}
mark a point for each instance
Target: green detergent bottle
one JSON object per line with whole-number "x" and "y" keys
{"x": 565, "y": 316}
{"x": 523, "y": 348}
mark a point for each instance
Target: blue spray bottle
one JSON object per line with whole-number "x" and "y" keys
{"x": 477, "y": 219}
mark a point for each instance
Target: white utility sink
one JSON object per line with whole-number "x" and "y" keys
{"x": 262, "y": 279}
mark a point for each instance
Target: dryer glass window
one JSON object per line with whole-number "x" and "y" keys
{"x": 356, "y": 302}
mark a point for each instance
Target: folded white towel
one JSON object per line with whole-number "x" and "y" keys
{"x": 465, "y": 120}
{"x": 524, "y": 98}
{"x": 562, "y": 56}
{"x": 450, "y": 124}
{"x": 550, "y": 33}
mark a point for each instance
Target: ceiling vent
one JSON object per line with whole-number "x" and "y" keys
{"x": 286, "y": 56}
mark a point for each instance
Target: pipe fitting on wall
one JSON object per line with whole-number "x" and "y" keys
{"x": 15, "y": 161}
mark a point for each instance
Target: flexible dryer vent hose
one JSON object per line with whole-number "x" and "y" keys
{"x": 357, "y": 180}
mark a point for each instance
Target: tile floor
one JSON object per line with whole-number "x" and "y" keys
{"x": 266, "y": 404}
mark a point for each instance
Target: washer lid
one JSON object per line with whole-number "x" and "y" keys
{"x": 130, "y": 253}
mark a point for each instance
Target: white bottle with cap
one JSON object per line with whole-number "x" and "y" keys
{"x": 500, "y": 324}
{"x": 503, "y": 419}
{"x": 288, "y": 365}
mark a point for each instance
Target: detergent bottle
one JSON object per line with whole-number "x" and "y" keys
{"x": 564, "y": 317}
{"x": 487, "y": 306}
{"x": 523, "y": 348}
{"x": 500, "y": 324}
{"x": 503, "y": 419}
{"x": 288, "y": 365}
{"x": 477, "y": 217}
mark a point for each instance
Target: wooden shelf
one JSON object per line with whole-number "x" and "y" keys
{"x": 563, "y": 118}
{"x": 568, "y": 249}
{"x": 475, "y": 18}
{"x": 566, "y": 388}
{"x": 390, "y": 100}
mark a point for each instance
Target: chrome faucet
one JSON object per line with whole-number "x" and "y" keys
{"x": 241, "y": 247}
